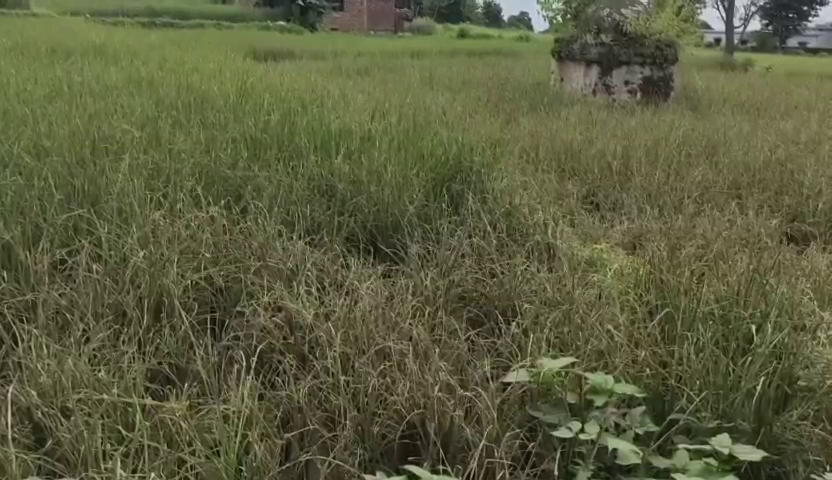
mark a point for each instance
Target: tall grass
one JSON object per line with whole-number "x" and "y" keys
{"x": 322, "y": 263}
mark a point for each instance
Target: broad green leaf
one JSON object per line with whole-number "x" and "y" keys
{"x": 583, "y": 474}
{"x": 695, "y": 448}
{"x": 591, "y": 427}
{"x": 572, "y": 397}
{"x": 614, "y": 443}
{"x": 521, "y": 375}
{"x": 555, "y": 364}
{"x": 682, "y": 476}
{"x": 600, "y": 381}
{"x": 628, "y": 389}
{"x": 660, "y": 462}
{"x": 711, "y": 461}
{"x": 680, "y": 459}
{"x": 563, "y": 432}
{"x": 628, "y": 457}
{"x": 721, "y": 443}
{"x": 634, "y": 416}
{"x": 599, "y": 399}
{"x": 747, "y": 453}
{"x": 424, "y": 474}
{"x": 419, "y": 472}
{"x": 823, "y": 476}
{"x": 574, "y": 425}
{"x": 586, "y": 436}
{"x": 382, "y": 476}
{"x": 549, "y": 414}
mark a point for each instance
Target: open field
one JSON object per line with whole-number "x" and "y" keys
{"x": 243, "y": 255}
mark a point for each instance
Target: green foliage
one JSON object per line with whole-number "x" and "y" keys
{"x": 524, "y": 37}
{"x": 418, "y": 472}
{"x": 449, "y": 11}
{"x": 764, "y": 42}
{"x": 17, "y": 4}
{"x": 215, "y": 13}
{"x": 421, "y": 26}
{"x": 492, "y": 14}
{"x": 521, "y": 21}
{"x": 604, "y": 428}
{"x": 786, "y": 18}
{"x": 279, "y": 27}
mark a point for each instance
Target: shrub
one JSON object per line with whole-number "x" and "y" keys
{"x": 17, "y": 4}
{"x": 279, "y": 27}
{"x": 466, "y": 32}
{"x": 524, "y": 38}
{"x": 463, "y": 32}
{"x": 219, "y": 13}
{"x": 421, "y": 26}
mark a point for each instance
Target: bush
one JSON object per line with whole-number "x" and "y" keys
{"x": 524, "y": 38}
{"x": 218, "y": 13}
{"x": 17, "y": 4}
{"x": 421, "y": 26}
{"x": 280, "y": 27}
{"x": 466, "y": 32}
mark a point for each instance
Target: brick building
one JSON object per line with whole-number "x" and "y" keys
{"x": 366, "y": 16}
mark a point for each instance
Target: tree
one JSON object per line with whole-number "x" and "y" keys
{"x": 447, "y": 11}
{"x": 704, "y": 25}
{"x": 736, "y": 15}
{"x": 786, "y": 18}
{"x": 521, "y": 21}
{"x": 492, "y": 14}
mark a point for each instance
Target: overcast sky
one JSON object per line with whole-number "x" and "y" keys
{"x": 511, "y": 7}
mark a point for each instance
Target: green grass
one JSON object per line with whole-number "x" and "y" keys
{"x": 231, "y": 255}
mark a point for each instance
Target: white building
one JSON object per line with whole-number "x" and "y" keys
{"x": 716, "y": 38}
{"x": 815, "y": 37}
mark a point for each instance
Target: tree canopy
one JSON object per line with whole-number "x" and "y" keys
{"x": 521, "y": 21}
{"x": 786, "y": 18}
{"x": 492, "y": 14}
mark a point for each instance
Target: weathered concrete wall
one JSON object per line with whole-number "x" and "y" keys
{"x": 624, "y": 82}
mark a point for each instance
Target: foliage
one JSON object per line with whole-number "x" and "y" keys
{"x": 521, "y": 21}
{"x": 492, "y": 14}
{"x": 421, "y": 26}
{"x": 467, "y": 32}
{"x": 704, "y": 25}
{"x": 786, "y": 18}
{"x": 279, "y": 27}
{"x": 217, "y": 13}
{"x": 449, "y": 11}
{"x": 17, "y": 4}
{"x": 603, "y": 425}
{"x": 524, "y": 37}
{"x": 764, "y": 42}
{"x": 418, "y": 472}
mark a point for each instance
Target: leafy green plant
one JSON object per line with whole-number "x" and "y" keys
{"x": 603, "y": 426}
{"x": 418, "y": 472}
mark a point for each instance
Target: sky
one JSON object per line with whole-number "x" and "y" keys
{"x": 510, "y": 7}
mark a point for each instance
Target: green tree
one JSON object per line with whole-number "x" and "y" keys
{"x": 786, "y": 18}
{"x": 521, "y": 21}
{"x": 448, "y": 11}
{"x": 492, "y": 14}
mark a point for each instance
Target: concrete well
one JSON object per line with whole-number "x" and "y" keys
{"x": 618, "y": 73}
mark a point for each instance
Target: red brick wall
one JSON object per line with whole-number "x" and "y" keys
{"x": 381, "y": 15}
{"x": 378, "y": 16}
{"x": 351, "y": 19}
